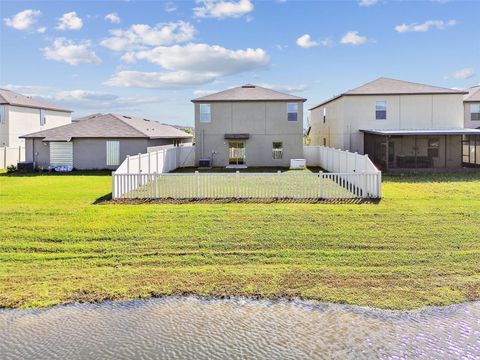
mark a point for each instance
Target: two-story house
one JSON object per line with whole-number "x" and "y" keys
{"x": 20, "y": 115}
{"x": 399, "y": 124}
{"x": 248, "y": 126}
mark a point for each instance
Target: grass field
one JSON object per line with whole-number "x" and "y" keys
{"x": 419, "y": 246}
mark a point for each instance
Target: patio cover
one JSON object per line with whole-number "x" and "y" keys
{"x": 452, "y": 131}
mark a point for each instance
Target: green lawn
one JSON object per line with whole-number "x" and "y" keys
{"x": 419, "y": 246}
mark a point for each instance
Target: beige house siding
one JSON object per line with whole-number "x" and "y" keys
{"x": 403, "y": 112}
{"x": 265, "y": 122}
{"x": 24, "y": 120}
{"x": 468, "y": 122}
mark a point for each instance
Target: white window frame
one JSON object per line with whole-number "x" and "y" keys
{"x": 277, "y": 153}
{"x": 205, "y": 116}
{"x": 377, "y": 106}
{"x": 294, "y": 104}
{"x": 110, "y": 158}
{"x": 43, "y": 117}
{"x": 476, "y": 107}
{"x": 3, "y": 114}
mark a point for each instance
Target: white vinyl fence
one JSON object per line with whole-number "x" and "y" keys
{"x": 281, "y": 185}
{"x": 146, "y": 176}
{"x": 11, "y": 156}
{"x": 160, "y": 161}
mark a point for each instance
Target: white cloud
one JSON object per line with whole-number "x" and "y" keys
{"x": 23, "y": 20}
{"x": 352, "y": 38}
{"x": 41, "y": 29}
{"x": 170, "y": 7}
{"x": 367, "y": 2}
{"x": 70, "y": 52}
{"x": 157, "y": 80}
{"x": 69, "y": 21}
{"x": 462, "y": 74}
{"x": 221, "y": 9}
{"x": 13, "y": 87}
{"x": 113, "y": 18}
{"x": 192, "y": 64}
{"x": 141, "y": 35}
{"x": 202, "y": 58}
{"x": 423, "y": 27}
{"x": 305, "y": 41}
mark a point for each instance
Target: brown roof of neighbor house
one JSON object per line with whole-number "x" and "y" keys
{"x": 473, "y": 94}
{"x": 110, "y": 126}
{"x": 249, "y": 92}
{"x": 8, "y": 97}
{"x": 386, "y": 86}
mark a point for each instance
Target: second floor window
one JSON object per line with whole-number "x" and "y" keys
{"x": 277, "y": 150}
{"x": 3, "y": 114}
{"x": 381, "y": 110}
{"x": 324, "y": 115}
{"x": 475, "y": 112}
{"x": 292, "y": 111}
{"x": 205, "y": 114}
{"x": 43, "y": 119}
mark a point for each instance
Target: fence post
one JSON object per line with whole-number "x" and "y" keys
{"x": 155, "y": 182}
{"x": 139, "y": 163}
{"x": 278, "y": 179}
{"x": 156, "y": 156}
{"x": 128, "y": 164}
{"x": 364, "y": 185}
{"x": 320, "y": 193}
{"x": 149, "y": 156}
{"x": 114, "y": 190}
{"x": 237, "y": 184}
{"x": 355, "y": 162}
{"x": 197, "y": 178}
{"x": 4, "y": 157}
{"x": 19, "y": 154}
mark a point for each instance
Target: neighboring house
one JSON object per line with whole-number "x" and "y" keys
{"x": 21, "y": 115}
{"x": 399, "y": 124}
{"x": 248, "y": 126}
{"x": 471, "y": 103}
{"x": 99, "y": 141}
{"x": 471, "y": 143}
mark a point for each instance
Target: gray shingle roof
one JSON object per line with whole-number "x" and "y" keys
{"x": 386, "y": 86}
{"x": 11, "y": 98}
{"x": 110, "y": 126}
{"x": 473, "y": 94}
{"x": 249, "y": 92}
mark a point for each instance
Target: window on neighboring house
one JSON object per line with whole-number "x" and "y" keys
{"x": 292, "y": 111}
{"x": 324, "y": 115}
{"x": 475, "y": 112}
{"x": 381, "y": 110}
{"x": 43, "y": 118}
{"x": 433, "y": 147}
{"x": 324, "y": 141}
{"x": 113, "y": 153}
{"x": 277, "y": 150}
{"x": 205, "y": 114}
{"x": 3, "y": 114}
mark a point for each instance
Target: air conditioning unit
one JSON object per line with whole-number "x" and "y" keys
{"x": 205, "y": 163}
{"x": 298, "y": 164}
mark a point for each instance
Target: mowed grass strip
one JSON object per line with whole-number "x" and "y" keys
{"x": 419, "y": 246}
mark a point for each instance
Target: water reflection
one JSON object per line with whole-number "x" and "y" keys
{"x": 216, "y": 329}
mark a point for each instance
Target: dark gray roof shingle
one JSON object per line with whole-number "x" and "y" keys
{"x": 386, "y": 86}
{"x": 249, "y": 92}
{"x": 110, "y": 126}
{"x": 473, "y": 94}
{"x": 11, "y": 98}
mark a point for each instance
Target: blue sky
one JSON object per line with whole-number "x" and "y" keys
{"x": 150, "y": 58}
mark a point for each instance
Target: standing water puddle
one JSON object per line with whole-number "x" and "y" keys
{"x": 194, "y": 328}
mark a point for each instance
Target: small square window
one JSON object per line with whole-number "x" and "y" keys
{"x": 205, "y": 113}
{"x": 277, "y": 150}
{"x": 292, "y": 109}
{"x": 381, "y": 110}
